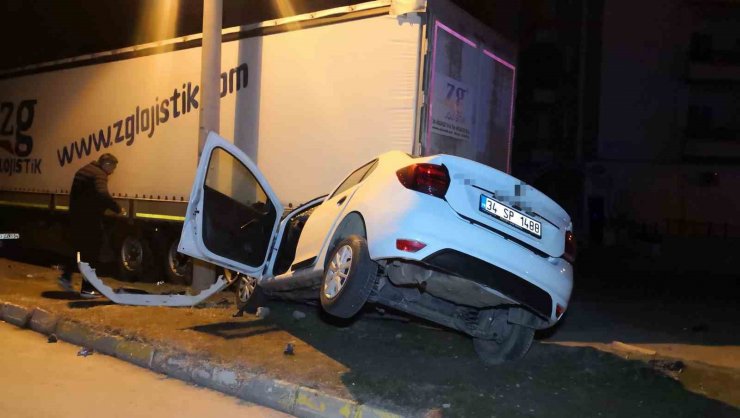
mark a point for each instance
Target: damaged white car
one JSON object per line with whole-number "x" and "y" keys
{"x": 441, "y": 237}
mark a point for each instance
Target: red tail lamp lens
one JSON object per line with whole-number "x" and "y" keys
{"x": 409, "y": 245}
{"x": 559, "y": 310}
{"x": 431, "y": 179}
{"x": 570, "y": 247}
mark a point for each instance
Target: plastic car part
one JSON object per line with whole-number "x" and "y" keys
{"x": 431, "y": 179}
{"x": 127, "y": 298}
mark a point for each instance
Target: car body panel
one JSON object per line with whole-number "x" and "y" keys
{"x": 431, "y": 220}
{"x": 324, "y": 219}
{"x": 471, "y": 180}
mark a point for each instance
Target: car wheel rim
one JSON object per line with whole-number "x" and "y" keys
{"x": 177, "y": 262}
{"x": 246, "y": 287}
{"x": 132, "y": 254}
{"x": 337, "y": 272}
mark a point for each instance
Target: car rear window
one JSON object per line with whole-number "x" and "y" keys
{"x": 356, "y": 177}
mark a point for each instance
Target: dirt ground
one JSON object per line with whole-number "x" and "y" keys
{"x": 414, "y": 366}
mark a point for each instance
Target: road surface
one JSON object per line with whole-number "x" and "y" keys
{"x": 39, "y": 379}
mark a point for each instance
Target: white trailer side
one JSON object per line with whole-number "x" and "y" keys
{"x": 308, "y": 97}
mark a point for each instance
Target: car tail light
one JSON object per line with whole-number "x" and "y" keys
{"x": 559, "y": 310}
{"x": 570, "y": 247}
{"x": 431, "y": 179}
{"x": 409, "y": 245}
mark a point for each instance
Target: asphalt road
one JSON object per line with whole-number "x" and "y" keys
{"x": 38, "y": 379}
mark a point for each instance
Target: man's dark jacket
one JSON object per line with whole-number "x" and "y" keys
{"x": 88, "y": 200}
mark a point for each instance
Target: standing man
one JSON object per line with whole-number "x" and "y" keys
{"x": 88, "y": 200}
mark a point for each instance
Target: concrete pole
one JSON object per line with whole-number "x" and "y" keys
{"x": 204, "y": 274}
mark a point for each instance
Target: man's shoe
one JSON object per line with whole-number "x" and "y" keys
{"x": 90, "y": 294}
{"x": 65, "y": 283}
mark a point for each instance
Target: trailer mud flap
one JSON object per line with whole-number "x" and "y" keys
{"x": 138, "y": 299}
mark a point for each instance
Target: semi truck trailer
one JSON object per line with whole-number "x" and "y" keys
{"x": 318, "y": 93}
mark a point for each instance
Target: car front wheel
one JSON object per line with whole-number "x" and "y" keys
{"x": 249, "y": 295}
{"x": 348, "y": 279}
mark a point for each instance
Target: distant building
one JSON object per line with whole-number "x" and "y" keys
{"x": 640, "y": 102}
{"x": 668, "y": 147}
{"x": 556, "y": 120}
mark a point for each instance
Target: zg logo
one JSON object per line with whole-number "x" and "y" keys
{"x": 15, "y": 122}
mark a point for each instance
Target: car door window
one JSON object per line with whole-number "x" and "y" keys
{"x": 237, "y": 215}
{"x": 356, "y": 177}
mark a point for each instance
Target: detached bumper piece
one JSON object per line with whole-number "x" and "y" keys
{"x": 492, "y": 276}
{"x": 145, "y": 299}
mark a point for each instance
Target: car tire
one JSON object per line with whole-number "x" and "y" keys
{"x": 177, "y": 267}
{"x": 349, "y": 276}
{"x": 513, "y": 345}
{"x": 248, "y": 294}
{"x": 135, "y": 259}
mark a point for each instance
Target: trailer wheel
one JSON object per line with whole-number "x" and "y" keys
{"x": 349, "y": 277}
{"x": 135, "y": 259}
{"x": 178, "y": 267}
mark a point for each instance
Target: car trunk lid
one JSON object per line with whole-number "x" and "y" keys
{"x": 505, "y": 205}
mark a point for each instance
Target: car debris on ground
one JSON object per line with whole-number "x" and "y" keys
{"x": 262, "y": 312}
{"x": 85, "y": 351}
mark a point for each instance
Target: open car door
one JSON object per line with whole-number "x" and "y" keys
{"x": 233, "y": 214}
{"x": 231, "y": 220}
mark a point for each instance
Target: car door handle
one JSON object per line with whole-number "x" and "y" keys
{"x": 340, "y": 201}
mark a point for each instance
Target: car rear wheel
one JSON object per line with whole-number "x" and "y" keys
{"x": 349, "y": 276}
{"x": 512, "y": 345}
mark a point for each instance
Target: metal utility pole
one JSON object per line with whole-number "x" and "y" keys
{"x": 204, "y": 274}
{"x": 582, "y": 53}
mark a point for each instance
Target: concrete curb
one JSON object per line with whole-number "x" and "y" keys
{"x": 43, "y": 321}
{"x": 260, "y": 389}
{"x": 16, "y": 315}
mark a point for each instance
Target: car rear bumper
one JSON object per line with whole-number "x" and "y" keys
{"x": 489, "y": 275}
{"x": 459, "y": 246}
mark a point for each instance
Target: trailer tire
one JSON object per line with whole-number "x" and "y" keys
{"x": 349, "y": 276}
{"x": 135, "y": 259}
{"x": 177, "y": 267}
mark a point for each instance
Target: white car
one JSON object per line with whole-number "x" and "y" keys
{"x": 439, "y": 237}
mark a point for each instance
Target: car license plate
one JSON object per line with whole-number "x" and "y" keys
{"x": 510, "y": 216}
